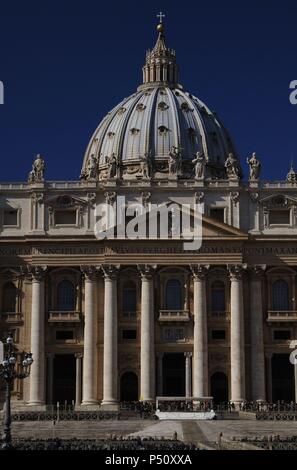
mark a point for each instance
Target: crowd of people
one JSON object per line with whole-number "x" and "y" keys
{"x": 114, "y": 443}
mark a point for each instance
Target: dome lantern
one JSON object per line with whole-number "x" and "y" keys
{"x": 160, "y": 65}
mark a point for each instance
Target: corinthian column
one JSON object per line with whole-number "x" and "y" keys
{"x": 90, "y": 350}
{"x": 37, "y": 375}
{"x": 257, "y": 339}
{"x": 110, "y": 355}
{"x": 188, "y": 388}
{"x": 200, "y": 350}
{"x": 237, "y": 335}
{"x": 147, "y": 346}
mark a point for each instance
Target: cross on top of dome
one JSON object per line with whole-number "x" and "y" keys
{"x": 160, "y": 16}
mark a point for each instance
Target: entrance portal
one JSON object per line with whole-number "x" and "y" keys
{"x": 174, "y": 375}
{"x": 219, "y": 387}
{"x": 282, "y": 378}
{"x": 64, "y": 378}
{"x": 129, "y": 387}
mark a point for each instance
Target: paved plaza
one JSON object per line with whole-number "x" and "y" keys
{"x": 188, "y": 431}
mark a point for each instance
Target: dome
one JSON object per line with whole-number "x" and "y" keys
{"x": 160, "y": 116}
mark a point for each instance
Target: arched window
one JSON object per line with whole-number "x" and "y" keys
{"x": 66, "y": 298}
{"x": 280, "y": 295}
{"x": 174, "y": 298}
{"x": 9, "y": 296}
{"x": 129, "y": 297}
{"x": 218, "y": 300}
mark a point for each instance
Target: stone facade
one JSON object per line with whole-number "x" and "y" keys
{"x": 232, "y": 305}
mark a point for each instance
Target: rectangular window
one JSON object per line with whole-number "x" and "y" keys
{"x": 129, "y": 334}
{"x": 279, "y": 217}
{"x": 63, "y": 335}
{"x": 281, "y": 334}
{"x": 173, "y": 334}
{"x": 218, "y": 334}
{"x": 10, "y": 218}
{"x": 65, "y": 217}
{"x": 217, "y": 214}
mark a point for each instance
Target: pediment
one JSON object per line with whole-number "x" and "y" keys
{"x": 65, "y": 201}
{"x": 278, "y": 201}
{"x": 211, "y": 228}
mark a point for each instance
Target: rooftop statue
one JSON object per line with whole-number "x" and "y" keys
{"x": 255, "y": 167}
{"x": 199, "y": 162}
{"x": 36, "y": 175}
{"x": 174, "y": 161}
{"x": 232, "y": 167}
{"x": 112, "y": 166}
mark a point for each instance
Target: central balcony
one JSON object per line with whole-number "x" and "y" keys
{"x": 60, "y": 317}
{"x": 11, "y": 317}
{"x": 219, "y": 315}
{"x": 174, "y": 315}
{"x": 282, "y": 316}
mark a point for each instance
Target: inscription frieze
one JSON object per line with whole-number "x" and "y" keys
{"x": 11, "y": 251}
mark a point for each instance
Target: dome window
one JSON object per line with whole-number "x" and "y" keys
{"x": 163, "y": 130}
{"x": 111, "y": 134}
{"x": 122, "y": 110}
{"x": 185, "y": 107}
{"x": 162, "y": 106}
{"x": 191, "y": 134}
{"x": 134, "y": 131}
{"x": 140, "y": 107}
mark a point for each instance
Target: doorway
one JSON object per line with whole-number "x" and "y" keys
{"x": 219, "y": 387}
{"x": 174, "y": 375}
{"x": 282, "y": 378}
{"x": 129, "y": 387}
{"x": 64, "y": 378}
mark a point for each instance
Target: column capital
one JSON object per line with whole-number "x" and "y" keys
{"x": 269, "y": 355}
{"x": 90, "y": 272}
{"x": 146, "y": 270}
{"x": 34, "y": 273}
{"x": 78, "y": 355}
{"x": 257, "y": 271}
{"x": 236, "y": 271}
{"x": 110, "y": 271}
{"x": 199, "y": 271}
{"x": 188, "y": 355}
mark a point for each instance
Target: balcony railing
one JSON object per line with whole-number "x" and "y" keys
{"x": 282, "y": 315}
{"x": 130, "y": 316}
{"x": 11, "y": 317}
{"x": 58, "y": 316}
{"x": 220, "y": 315}
{"x": 174, "y": 315}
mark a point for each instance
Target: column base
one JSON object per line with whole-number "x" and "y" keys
{"x": 87, "y": 407}
{"x": 107, "y": 405}
{"x": 89, "y": 403}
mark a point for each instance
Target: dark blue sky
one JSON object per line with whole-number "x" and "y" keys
{"x": 65, "y": 64}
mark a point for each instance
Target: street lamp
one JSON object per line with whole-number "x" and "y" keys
{"x": 9, "y": 372}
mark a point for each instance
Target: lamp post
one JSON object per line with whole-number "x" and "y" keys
{"x": 9, "y": 373}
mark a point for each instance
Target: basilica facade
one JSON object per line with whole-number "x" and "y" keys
{"x": 118, "y": 319}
